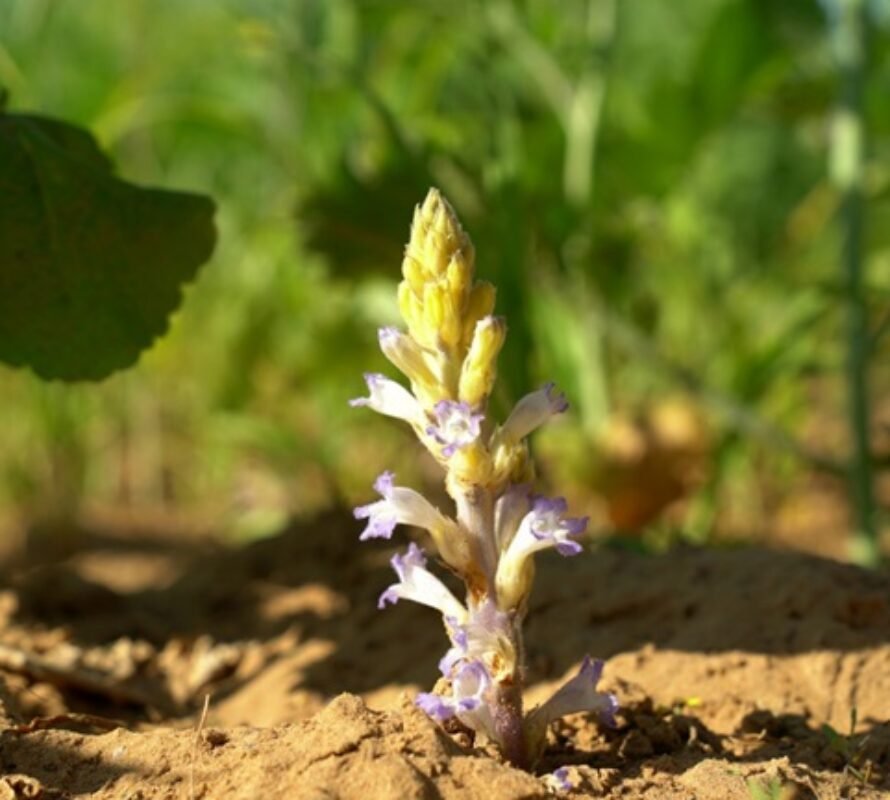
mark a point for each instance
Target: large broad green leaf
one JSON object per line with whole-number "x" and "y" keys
{"x": 91, "y": 267}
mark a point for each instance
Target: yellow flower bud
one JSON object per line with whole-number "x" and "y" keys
{"x": 510, "y": 462}
{"x": 411, "y": 310}
{"x": 450, "y": 329}
{"x": 514, "y": 583}
{"x": 433, "y": 308}
{"x": 480, "y": 304}
{"x": 459, "y": 274}
{"x": 413, "y": 272}
{"x": 440, "y": 324}
{"x": 408, "y": 356}
{"x": 453, "y": 547}
{"x": 436, "y": 236}
{"x": 480, "y": 366}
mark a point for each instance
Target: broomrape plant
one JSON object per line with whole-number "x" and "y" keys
{"x": 449, "y": 354}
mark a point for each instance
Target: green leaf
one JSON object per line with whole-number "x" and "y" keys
{"x": 91, "y": 267}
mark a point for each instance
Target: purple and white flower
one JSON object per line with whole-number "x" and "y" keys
{"x": 398, "y": 506}
{"x": 484, "y": 635}
{"x": 456, "y": 426}
{"x": 532, "y": 411}
{"x": 469, "y": 700}
{"x": 390, "y": 398}
{"x": 542, "y": 527}
{"x": 546, "y": 526}
{"x": 559, "y": 780}
{"x": 417, "y": 583}
{"x": 578, "y": 694}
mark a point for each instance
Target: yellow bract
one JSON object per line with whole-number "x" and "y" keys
{"x": 479, "y": 367}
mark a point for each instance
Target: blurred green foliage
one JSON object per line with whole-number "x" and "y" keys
{"x": 644, "y": 182}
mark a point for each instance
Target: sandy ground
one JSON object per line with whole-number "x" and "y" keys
{"x": 729, "y": 665}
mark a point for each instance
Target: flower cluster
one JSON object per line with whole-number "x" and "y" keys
{"x": 449, "y": 356}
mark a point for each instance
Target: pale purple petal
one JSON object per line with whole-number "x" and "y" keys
{"x": 384, "y": 483}
{"x": 439, "y": 708}
{"x": 412, "y": 558}
{"x": 485, "y": 632}
{"x": 547, "y": 524}
{"x": 458, "y": 635}
{"x": 450, "y": 660}
{"x": 382, "y": 520}
{"x": 387, "y": 596}
{"x": 560, "y": 779}
{"x": 468, "y": 701}
{"x": 399, "y": 506}
{"x": 470, "y": 687}
{"x": 568, "y": 548}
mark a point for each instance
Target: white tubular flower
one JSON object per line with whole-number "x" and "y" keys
{"x": 399, "y": 506}
{"x": 390, "y": 398}
{"x": 456, "y": 426}
{"x": 469, "y": 700}
{"x": 417, "y": 583}
{"x": 483, "y": 637}
{"x": 578, "y": 694}
{"x": 544, "y": 526}
{"x": 532, "y": 411}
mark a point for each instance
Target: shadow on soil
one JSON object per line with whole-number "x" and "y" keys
{"x": 317, "y": 581}
{"x": 34, "y": 767}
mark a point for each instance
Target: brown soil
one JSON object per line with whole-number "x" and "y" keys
{"x": 728, "y": 665}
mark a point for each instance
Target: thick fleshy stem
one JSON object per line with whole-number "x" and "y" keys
{"x": 474, "y": 508}
{"x": 508, "y": 719}
{"x": 475, "y": 512}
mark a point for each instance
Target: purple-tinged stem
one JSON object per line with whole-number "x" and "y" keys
{"x": 508, "y": 722}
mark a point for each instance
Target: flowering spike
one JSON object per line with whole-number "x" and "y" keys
{"x": 449, "y": 354}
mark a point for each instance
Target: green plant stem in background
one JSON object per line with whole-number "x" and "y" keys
{"x": 847, "y": 155}
{"x": 582, "y": 123}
